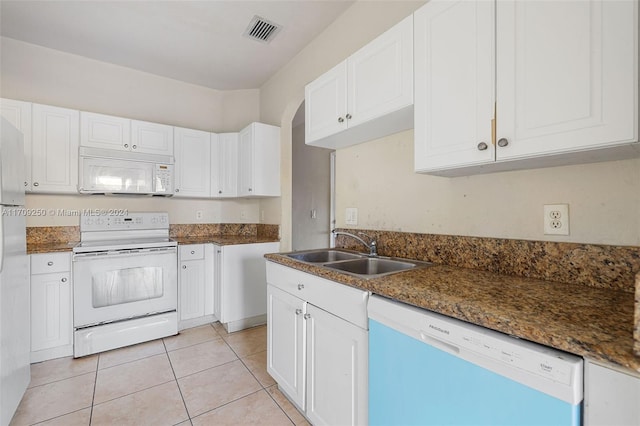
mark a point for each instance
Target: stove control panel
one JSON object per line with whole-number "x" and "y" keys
{"x": 123, "y": 222}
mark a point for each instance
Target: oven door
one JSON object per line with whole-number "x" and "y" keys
{"x": 118, "y": 285}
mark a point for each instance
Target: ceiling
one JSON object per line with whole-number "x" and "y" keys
{"x": 199, "y": 42}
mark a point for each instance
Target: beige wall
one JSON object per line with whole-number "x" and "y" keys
{"x": 377, "y": 177}
{"x": 37, "y": 74}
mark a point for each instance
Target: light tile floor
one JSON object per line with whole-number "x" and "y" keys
{"x": 203, "y": 376}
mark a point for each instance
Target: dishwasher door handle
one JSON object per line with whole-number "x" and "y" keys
{"x": 440, "y": 344}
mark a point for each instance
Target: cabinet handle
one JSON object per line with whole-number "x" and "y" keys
{"x": 135, "y": 147}
{"x": 26, "y": 184}
{"x": 502, "y": 142}
{"x": 482, "y": 146}
{"x": 193, "y": 252}
{"x": 340, "y": 119}
{"x": 307, "y": 316}
{"x": 348, "y": 116}
{"x": 298, "y": 311}
{"x": 177, "y": 189}
{"x": 126, "y": 145}
{"x": 300, "y": 286}
{"x": 219, "y": 251}
{"x": 36, "y": 184}
{"x": 184, "y": 266}
{"x": 64, "y": 280}
{"x": 219, "y": 192}
{"x": 49, "y": 263}
{"x": 250, "y": 190}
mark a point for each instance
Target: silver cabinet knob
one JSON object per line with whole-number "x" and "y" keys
{"x": 298, "y": 311}
{"x": 49, "y": 263}
{"x": 502, "y": 142}
{"x": 300, "y": 286}
{"x": 482, "y": 146}
{"x": 219, "y": 192}
{"x": 307, "y": 316}
{"x": 36, "y": 184}
{"x": 193, "y": 252}
{"x": 340, "y": 119}
{"x": 177, "y": 189}
{"x": 26, "y": 184}
{"x": 134, "y": 146}
{"x": 184, "y": 266}
{"x": 250, "y": 189}
{"x": 126, "y": 145}
{"x": 348, "y": 116}
{"x": 64, "y": 280}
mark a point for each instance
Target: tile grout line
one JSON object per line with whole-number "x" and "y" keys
{"x": 184, "y": 402}
{"x": 280, "y": 407}
{"x": 95, "y": 385}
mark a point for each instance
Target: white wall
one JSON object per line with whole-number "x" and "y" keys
{"x": 37, "y": 74}
{"x": 377, "y": 177}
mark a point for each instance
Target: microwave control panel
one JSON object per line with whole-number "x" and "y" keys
{"x": 164, "y": 179}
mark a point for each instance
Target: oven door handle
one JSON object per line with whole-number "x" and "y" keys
{"x": 120, "y": 253}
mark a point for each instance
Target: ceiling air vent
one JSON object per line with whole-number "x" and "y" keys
{"x": 261, "y": 30}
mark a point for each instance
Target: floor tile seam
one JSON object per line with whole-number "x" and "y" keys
{"x": 251, "y": 372}
{"x": 191, "y": 345}
{"x": 131, "y": 361}
{"x": 61, "y": 380}
{"x": 93, "y": 397}
{"x": 230, "y": 402}
{"x": 279, "y": 406}
{"x": 134, "y": 392}
{"x": 175, "y": 378}
{"x": 55, "y": 417}
{"x": 206, "y": 369}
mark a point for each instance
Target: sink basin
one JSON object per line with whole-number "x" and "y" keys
{"x": 323, "y": 256}
{"x": 374, "y": 267}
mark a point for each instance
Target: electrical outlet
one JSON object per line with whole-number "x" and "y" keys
{"x": 351, "y": 216}
{"x": 556, "y": 219}
{"x": 199, "y": 214}
{"x": 243, "y": 214}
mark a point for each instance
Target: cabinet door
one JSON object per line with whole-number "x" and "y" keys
{"x": 336, "y": 370}
{"x": 380, "y": 75}
{"x": 326, "y": 104}
{"x": 192, "y": 163}
{"x": 55, "y": 149}
{"x": 50, "y": 311}
{"x": 151, "y": 138}
{"x": 192, "y": 289}
{"x": 18, "y": 113}
{"x": 454, "y": 84}
{"x": 259, "y": 161}
{"x": 105, "y": 131}
{"x": 285, "y": 343}
{"x": 224, "y": 166}
{"x": 610, "y": 397}
{"x": 566, "y": 76}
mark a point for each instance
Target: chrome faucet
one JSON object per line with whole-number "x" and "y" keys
{"x": 372, "y": 245}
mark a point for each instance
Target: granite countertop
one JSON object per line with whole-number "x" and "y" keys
{"x": 591, "y": 322}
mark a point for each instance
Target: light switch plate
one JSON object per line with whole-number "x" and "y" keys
{"x": 351, "y": 216}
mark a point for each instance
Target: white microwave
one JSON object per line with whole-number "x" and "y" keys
{"x": 104, "y": 171}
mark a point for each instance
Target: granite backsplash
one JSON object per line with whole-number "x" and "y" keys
{"x": 603, "y": 266}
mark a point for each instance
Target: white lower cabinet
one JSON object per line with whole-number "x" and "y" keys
{"x": 195, "y": 285}
{"x": 241, "y": 284}
{"x": 611, "y": 397}
{"x": 51, "y": 306}
{"x": 317, "y": 345}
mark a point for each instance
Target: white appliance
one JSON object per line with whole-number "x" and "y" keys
{"x": 429, "y": 369}
{"x": 14, "y": 275}
{"x": 105, "y": 171}
{"x": 125, "y": 282}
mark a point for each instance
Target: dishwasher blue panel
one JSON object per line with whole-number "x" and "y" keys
{"x": 413, "y": 383}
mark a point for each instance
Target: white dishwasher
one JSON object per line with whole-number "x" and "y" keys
{"x": 429, "y": 369}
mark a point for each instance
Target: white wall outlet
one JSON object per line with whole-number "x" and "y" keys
{"x": 351, "y": 216}
{"x": 556, "y": 219}
{"x": 199, "y": 214}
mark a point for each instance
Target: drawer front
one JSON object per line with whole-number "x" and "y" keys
{"x": 50, "y": 262}
{"x": 192, "y": 252}
{"x": 341, "y": 300}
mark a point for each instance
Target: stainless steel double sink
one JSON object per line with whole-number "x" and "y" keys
{"x": 357, "y": 264}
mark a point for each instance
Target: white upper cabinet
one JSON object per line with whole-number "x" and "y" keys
{"x": 109, "y": 132}
{"x": 369, "y": 95}
{"x": 151, "y": 138}
{"x": 224, "y": 165}
{"x": 192, "y": 168}
{"x": 105, "y": 131}
{"x": 259, "y": 161}
{"x": 54, "y": 149}
{"x": 18, "y": 113}
{"x": 564, "y": 74}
